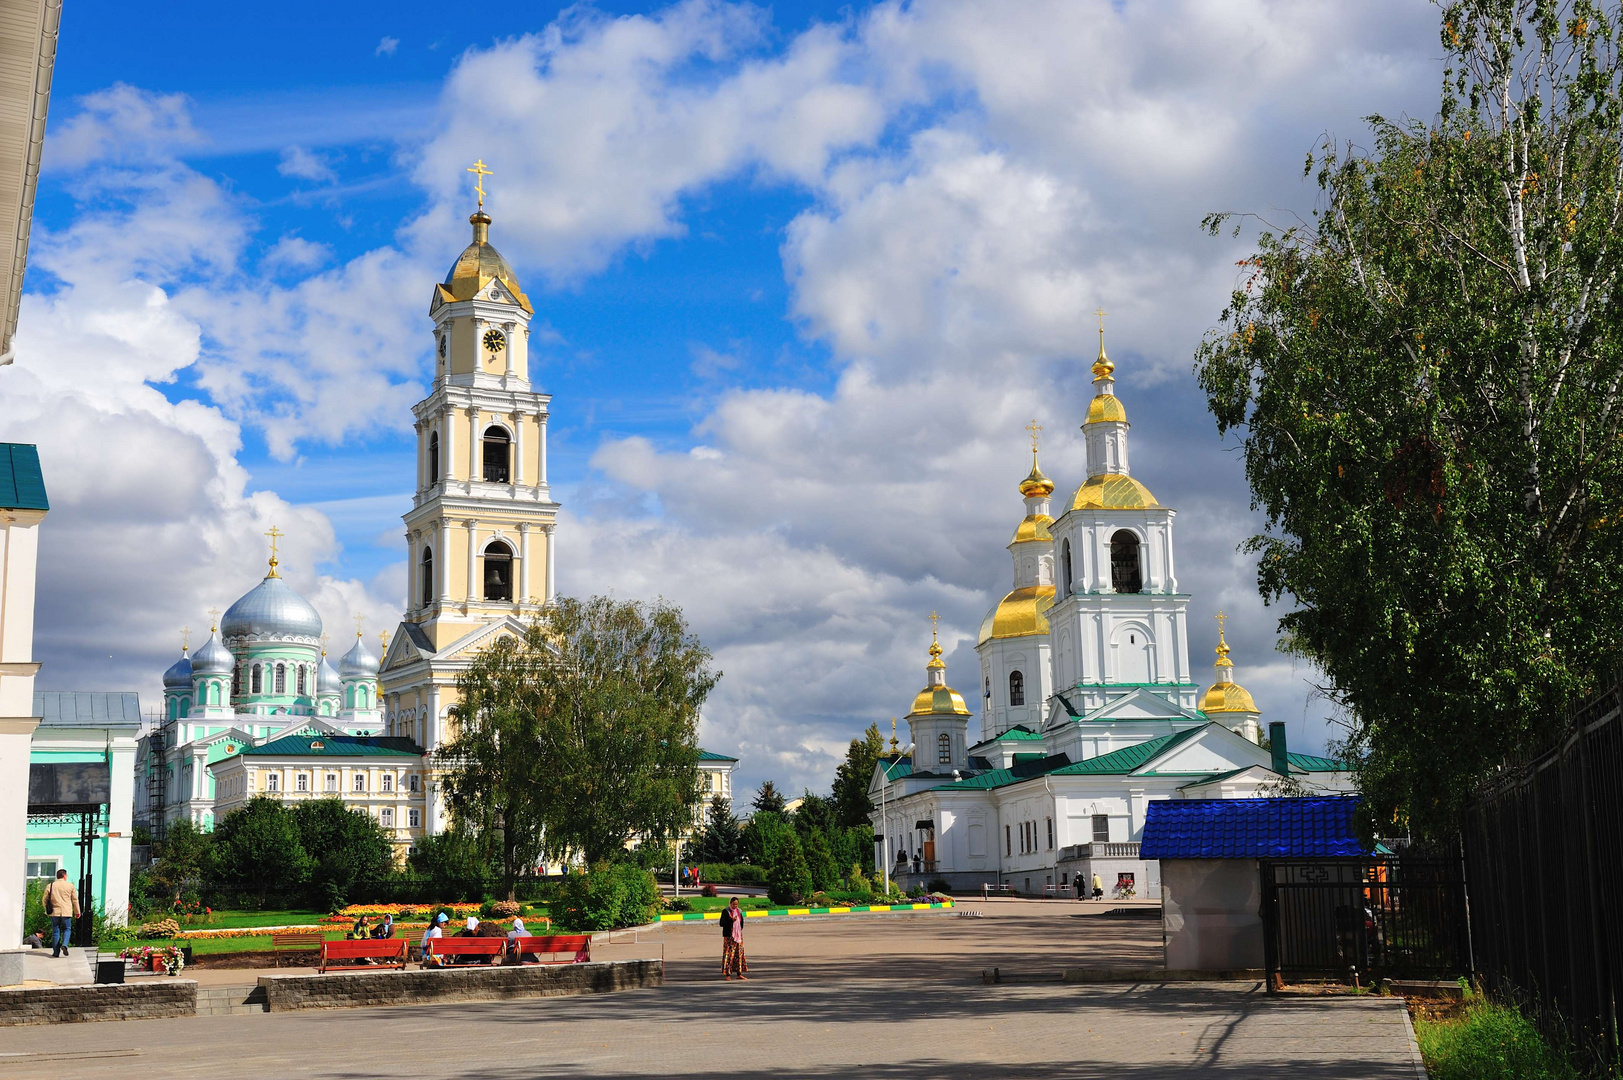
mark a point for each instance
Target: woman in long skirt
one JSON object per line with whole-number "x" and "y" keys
{"x": 732, "y": 942}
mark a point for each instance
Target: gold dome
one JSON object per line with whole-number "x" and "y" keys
{"x": 479, "y": 265}
{"x": 1036, "y": 484}
{"x": 1228, "y": 697}
{"x": 1033, "y": 527}
{"x": 1113, "y": 491}
{"x": 1020, "y": 614}
{"x": 1106, "y": 407}
{"x": 939, "y": 700}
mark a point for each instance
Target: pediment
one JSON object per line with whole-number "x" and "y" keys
{"x": 408, "y": 645}
{"x": 312, "y": 725}
{"x": 476, "y": 641}
{"x": 1140, "y": 704}
{"x": 1212, "y": 749}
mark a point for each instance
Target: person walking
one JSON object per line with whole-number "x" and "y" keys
{"x": 732, "y": 942}
{"x": 1098, "y": 887}
{"x": 62, "y": 905}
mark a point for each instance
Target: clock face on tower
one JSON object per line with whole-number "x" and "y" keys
{"x": 494, "y": 341}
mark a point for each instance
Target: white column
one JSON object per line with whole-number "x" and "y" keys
{"x": 543, "y": 418}
{"x": 448, "y": 451}
{"x": 507, "y": 331}
{"x": 442, "y": 560}
{"x": 551, "y": 546}
{"x": 422, "y": 454}
{"x": 521, "y": 580}
{"x": 473, "y": 556}
{"x": 414, "y": 570}
{"x": 473, "y": 443}
{"x": 518, "y": 448}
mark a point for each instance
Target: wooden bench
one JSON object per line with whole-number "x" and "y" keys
{"x": 448, "y": 947}
{"x": 554, "y": 948}
{"x": 303, "y": 942}
{"x": 391, "y": 952}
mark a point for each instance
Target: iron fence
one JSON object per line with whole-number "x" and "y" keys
{"x": 1365, "y": 918}
{"x": 1544, "y": 850}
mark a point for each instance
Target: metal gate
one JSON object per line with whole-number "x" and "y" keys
{"x": 1365, "y": 919}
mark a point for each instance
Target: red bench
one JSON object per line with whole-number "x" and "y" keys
{"x": 390, "y": 952}
{"x": 551, "y": 948}
{"x": 449, "y": 947}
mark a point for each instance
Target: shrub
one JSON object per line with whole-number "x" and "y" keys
{"x": 708, "y": 890}
{"x": 35, "y": 921}
{"x": 163, "y": 928}
{"x": 732, "y": 873}
{"x": 607, "y": 897}
{"x": 676, "y": 903}
{"x": 790, "y": 877}
{"x": 1490, "y": 1042}
{"x": 939, "y": 885}
{"x": 502, "y": 909}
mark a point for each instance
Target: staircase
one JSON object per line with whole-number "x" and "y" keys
{"x": 230, "y": 1000}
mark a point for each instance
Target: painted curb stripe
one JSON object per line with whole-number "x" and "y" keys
{"x": 758, "y": 913}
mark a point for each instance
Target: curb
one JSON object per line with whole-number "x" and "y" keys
{"x": 800, "y": 912}
{"x": 1157, "y": 975}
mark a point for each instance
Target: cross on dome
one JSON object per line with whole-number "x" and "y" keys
{"x": 481, "y": 172}
{"x": 275, "y": 534}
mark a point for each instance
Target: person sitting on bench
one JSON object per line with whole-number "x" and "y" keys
{"x": 435, "y": 929}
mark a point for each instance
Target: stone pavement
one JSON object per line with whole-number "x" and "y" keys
{"x": 892, "y": 997}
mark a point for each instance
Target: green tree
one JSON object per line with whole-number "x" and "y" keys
{"x": 1425, "y": 381}
{"x": 581, "y": 733}
{"x": 258, "y": 851}
{"x": 789, "y": 879}
{"x": 851, "y": 803}
{"x": 763, "y": 835}
{"x": 453, "y": 860}
{"x": 721, "y": 840}
{"x": 769, "y": 799}
{"x": 345, "y": 845}
{"x": 814, "y": 813}
{"x": 183, "y": 858}
{"x": 820, "y": 864}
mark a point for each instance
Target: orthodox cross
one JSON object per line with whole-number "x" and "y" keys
{"x": 1100, "y": 312}
{"x": 894, "y": 745}
{"x": 185, "y": 638}
{"x": 214, "y": 619}
{"x": 481, "y": 172}
{"x": 1221, "y": 620}
{"x": 384, "y": 638}
{"x": 275, "y": 534}
{"x": 1034, "y": 429}
{"x": 323, "y": 644}
{"x": 360, "y": 621}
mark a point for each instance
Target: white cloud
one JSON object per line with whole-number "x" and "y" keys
{"x": 387, "y": 46}
{"x": 306, "y": 165}
{"x": 121, "y": 125}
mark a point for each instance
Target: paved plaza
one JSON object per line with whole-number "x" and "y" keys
{"x": 894, "y": 997}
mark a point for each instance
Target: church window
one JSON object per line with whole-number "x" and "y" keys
{"x": 388, "y": 782}
{"x": 386, "y": 817}
{"x": 412, "y": 783}
{"x": 332, "y": 782}
{"x": 1101, "y": 828}
{"x": 428, "y": 577}
{"x": 1125, "y": 575}
{"x": 258, "y": 682}
{"x": 498, "y": 572}
{"x": 1017, "y": 688}
{"x": 301, "y": 678}
{"x": 360, "y": 781}
{"x": 414, "y": 818}
{"x": 273, "y": 782}
{"x": 281, "y": 678}
{"x": 988, "y": 693}
{"x": 1065, "y": 568}
{"x": 943, "y": 754}
{"x": 236, "y": 680}
{"x": 1050, "y": 834}
{"x": 496, "y": 455}
{"x": 301, "y": 782}
{"x": 433, "y": 457}
{"x": 1007, "y": 848}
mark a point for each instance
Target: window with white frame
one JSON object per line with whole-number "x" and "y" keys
{"x": 42, "y": 868}
{"x": 386, "y": 817}
{"x": 413, "y": 782}
{"x": 332, "y": 781}
{"x": 301, "y": 782}
{"x": 273, "y": 782}
{"x": 388, "y": 782}
{"x": 414, "y": 818}
{"x": 360, "y": 781}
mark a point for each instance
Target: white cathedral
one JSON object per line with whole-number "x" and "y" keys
{"x": 1089, "y": 705}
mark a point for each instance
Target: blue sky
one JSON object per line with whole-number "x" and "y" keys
{"x": 803, "y": 273}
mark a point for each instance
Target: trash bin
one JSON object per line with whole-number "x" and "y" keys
{"x": 109, "y": 971}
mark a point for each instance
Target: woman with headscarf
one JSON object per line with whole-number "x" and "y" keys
{"x": 732, "y": 942}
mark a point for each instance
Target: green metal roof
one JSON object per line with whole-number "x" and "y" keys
{"x": 1309, "y": 763}
{"x": 900, "y": 769}
{"x": 1215, "y": 777}
{"x": 1019, "y": 733}
{"x": 336, "y": 746}
{"x": 22, "y": 484}
{"x": 705, "y": 755}
{"x": 1128, "y": 758}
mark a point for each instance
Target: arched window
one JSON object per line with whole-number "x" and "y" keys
{"x": 257, "y": 682}
{"x": 1065, "y": 568}
{"x": 433, "y": 457}
{"x": 427, "y": 577}
{"x": 498, "y": 571}
{"x": 988, "y": 692}
{"x": 496, "y": 455}
{"x": 281, "y": 678}
{"x": 1125, "y": 576}
{"x": 301, "y": 678}
{"x": 943, "y": 753}
{"x": 236, "y": 680}
{"x": 1017, "y": 688}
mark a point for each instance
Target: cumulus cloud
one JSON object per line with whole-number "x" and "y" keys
{"x": 306, "y": 165}
{"x": 387, "y": 46}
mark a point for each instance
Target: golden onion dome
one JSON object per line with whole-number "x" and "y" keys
{"x": 1228, "y": 697}
{"x": 1106, "y": 407}
{"x": 1113, "y": 491}
{"x": 1036, "y": 484}
{"x": 480, "y": 264}
{"x": 1033, "y": 528}
{"x": 939, "y": 701}
{"x": 1022, "y": 613}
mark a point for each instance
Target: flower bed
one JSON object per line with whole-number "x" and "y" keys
{"x": 354, "y": 911}
{"x": 169, "y": 958}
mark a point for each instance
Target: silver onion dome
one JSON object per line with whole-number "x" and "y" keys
{"x": 179, "y": 675}
{"x": 358, "y": 663}
{"x": 327, "y": 680}
{"x": 213, "y": 659}
{"x": 271, "y": 610}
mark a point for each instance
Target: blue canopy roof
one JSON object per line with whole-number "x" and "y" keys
{"x": 1285, "y": 828}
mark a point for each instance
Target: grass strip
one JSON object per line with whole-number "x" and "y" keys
{"x": 1489, "y": 1041}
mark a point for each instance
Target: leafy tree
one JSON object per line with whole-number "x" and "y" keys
{"x": 769, "y": 799}
{"x": 1426, "y": 382}
{"x": 851, "y": 803}
{"x": 789, "y": 879}
{"x": 258, "y": 850}
{"x": 453, "y": 860}
{"x": 581, "y": 733}
{"x": 820, "y": 864}
{"x": 183, "y": 858}
{"x": 346, "y": 846}
{"x": 610, "y": 896}
{"x": 763, "y": 836}
{"x": 721, "y": 840}
{"x": 814, "y": 813}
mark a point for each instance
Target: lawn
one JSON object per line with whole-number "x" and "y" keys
{"x": 716, "y": 903}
